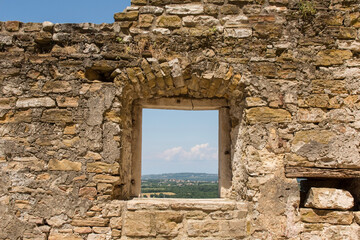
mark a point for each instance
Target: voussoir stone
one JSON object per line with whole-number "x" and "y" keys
{"x": 329, "y": 198}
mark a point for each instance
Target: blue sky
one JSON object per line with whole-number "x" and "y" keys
{"x": 173, "y": 141}
{"x": 61, "y": 11}
{"x": 179, "y": 141}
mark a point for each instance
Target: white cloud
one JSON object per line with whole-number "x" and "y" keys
{"x": 171, "y": 153}
{"x": 197, "y": 152}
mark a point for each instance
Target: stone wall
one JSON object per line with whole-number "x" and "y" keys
{"x": 288, "y": 69}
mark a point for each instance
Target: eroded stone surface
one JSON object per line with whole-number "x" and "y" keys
{"x": 329, "y": 198}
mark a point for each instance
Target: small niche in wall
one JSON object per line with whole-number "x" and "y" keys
{"x": 350, "y": 184}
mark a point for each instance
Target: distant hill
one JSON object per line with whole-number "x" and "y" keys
{"x": 206, "y": 177}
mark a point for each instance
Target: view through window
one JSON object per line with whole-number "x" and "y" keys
{"x": 179, "y": 154}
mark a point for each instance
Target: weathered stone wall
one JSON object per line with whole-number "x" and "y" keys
{"x": 289, "y": 70}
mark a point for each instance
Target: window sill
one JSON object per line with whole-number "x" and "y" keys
{"x": 215, "y": 204}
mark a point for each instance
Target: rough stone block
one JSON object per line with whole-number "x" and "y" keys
{"x": 169, "y": 22}
{"x": 116, "y": 222}
{"x": 238, "y": 32}
{"x": 56, "y": 116}
{"x": 90, "y": 222}
{"x": 332, "y": 57}
{"x": 12, "y": 26}
{"x": 324, "y": 86}
{"x": 202, "y": 228}
{"x": 267, "y": 115}
{"x": 185, "y": 9}
{"x": 329, "y": 198}
{"x": 67, "y": 101}
{"x": 233, "y": 228}
{"x": 35, "y": 102}
{"x": 6, "y": 40}
{"x": 146, "y": 20}
{"x": 64, "y": 236}
{"x": 167, "y": 223}
{"x": 88, "y": 192}
{"x": 56, "y": 87}
{"x": 320, "y": 136}
{"x": 113, "y": 209}
{"x": 64, "y": 165}
{"x": 133, "y": 227}
{"x": 151, "y": 10}
{"x": 313, "y": 115}
{"x": 101, "y": 167}
{"x": 309, "y": 215}
{"x": 126, "y": 16}
{"x": 105, "y": 178}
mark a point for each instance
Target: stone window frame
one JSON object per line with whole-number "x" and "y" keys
{"x": 178, "y": 103}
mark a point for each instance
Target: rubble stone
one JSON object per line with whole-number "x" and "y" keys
{"x": 329, "y": 198}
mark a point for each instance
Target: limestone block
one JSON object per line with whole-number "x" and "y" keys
{"x": 349, "y": 45}
{"x": 126, "y": 16}
{"x": 267, "y": 115}
{"x": 312, "y": 115}
{"x": 202, "y": 228}
{"x": 113, "y": 209}
{"x": 88, "y": 192}
{"x": 169, "y": 22}
{"x": 332, "y": 57}
{"x": 255, "y": 102}
{"x": 315, "y": 100}
{"x": 152, "y": 10}
{"x": 320, "y": 136}
{"x": 238, "y": 32}
{"x": 64, "y": 165}
{"x": 139, "y": 204}
{"x": 101, "y": 167}
{"x": 105, "y": 178}
{"x": 35, "y": 102}
{"x": 146, "y": 20}
{"x": 116, "y": 222}
{"x": 56, "y": 87}
{"x": 309, "y": 215}
{"x": 167, "y": 223}
{"x": 204, "y": 205}
{"x": 90, "y": 222}
{"x": 233, "y": 228}
{"x": 191, "y": 21}
{"x": 6, "y": 40}
{"x": 138, "y": 224}
{"x": 47, "y": 26}
{"x": 329, "y": 198}
{"x": 101, "y": 230}
{"x": 56, "y": 116}
{"x": 185, "y": 9}
{"x": 64, "y": 236}
{"x": 97, "y": 237}
{"x": 57, "y": 221}
{"x": 82, "y": 230}
{"x": 67, "y": 101}
{"x": 326, "y": 86}
{"x": 12, "y": 26}
{"x": 357, "y": 217}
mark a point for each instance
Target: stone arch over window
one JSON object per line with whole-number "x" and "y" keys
{"x": 175, "y": 84}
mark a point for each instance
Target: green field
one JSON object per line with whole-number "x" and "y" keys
{"x": 179, "y": 186}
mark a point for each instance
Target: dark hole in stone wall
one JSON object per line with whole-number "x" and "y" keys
{"x": 103, "y": 76}
{"x": 350, "y": 184}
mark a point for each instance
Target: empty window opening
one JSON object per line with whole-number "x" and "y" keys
{"x": 179, "y": 153}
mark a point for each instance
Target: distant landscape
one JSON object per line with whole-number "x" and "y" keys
{"x": 180, "y": 185}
